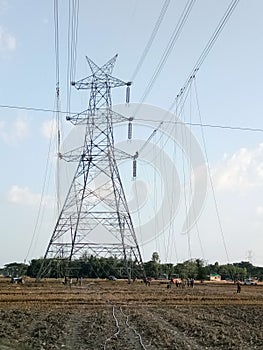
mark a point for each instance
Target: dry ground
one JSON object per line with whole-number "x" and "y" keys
{"x": 114, "y": 315}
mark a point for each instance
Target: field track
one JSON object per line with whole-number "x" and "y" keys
{"x": 102, "y": 314}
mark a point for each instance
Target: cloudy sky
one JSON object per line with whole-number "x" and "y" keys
{"x": 227, "y": 92}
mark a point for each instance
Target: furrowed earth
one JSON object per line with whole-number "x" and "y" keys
{"x": 102, "y": 314}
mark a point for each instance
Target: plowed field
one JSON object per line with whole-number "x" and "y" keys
{"x": 114, "y": 315}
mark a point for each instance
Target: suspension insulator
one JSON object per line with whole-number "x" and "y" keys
{"x": 129, "y": 131}
{"x": 59, "y": 137}
{"x": 128, "y": 92}
{"x": 134, "y": 168}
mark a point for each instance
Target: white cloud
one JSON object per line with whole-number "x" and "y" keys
{"x": 20, "y": 128}
{"x": 23, "y": 195}
{"x": 4, "y": 5}
{"x": 15, "y": 132}
{"x": 48, "y": 128}
{"x": 259, "y": 211}
{"x": 241, "y": 171}
{"x": 7, "y": 40}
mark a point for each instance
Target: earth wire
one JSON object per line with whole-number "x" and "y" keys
{"x": 160, "y": 121}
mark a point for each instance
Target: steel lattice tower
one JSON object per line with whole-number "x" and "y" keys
{"x": 95, "y": 218}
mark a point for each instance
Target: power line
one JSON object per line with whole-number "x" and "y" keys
{"x": 207, "y": 48}
{"x": 42, "y": 202}
{"x": 211, "y": 180}
{"x": 201, "y": 58}
{"x": 56, "y": 27}
{"x": 151, "y": 39}
{"x": 73, "y": 12}
{"x": 177, "y": 31}
{"x": 58, "y": 132}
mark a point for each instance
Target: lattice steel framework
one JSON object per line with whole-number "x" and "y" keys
{"x": 95, "y": 218}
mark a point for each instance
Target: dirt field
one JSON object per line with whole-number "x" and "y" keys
{"x": 115, "y": 315}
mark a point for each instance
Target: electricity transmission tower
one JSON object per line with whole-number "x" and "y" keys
{"x": 95, "y": 218}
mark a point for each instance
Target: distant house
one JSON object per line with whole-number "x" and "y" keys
{"x": 215, "y": 277}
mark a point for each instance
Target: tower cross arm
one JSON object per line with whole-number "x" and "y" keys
{"x": 99, "y": 82}
{"x": 115, "y": 82}
{"x": 85, "y": 83}
{"x": 121, "y": 155}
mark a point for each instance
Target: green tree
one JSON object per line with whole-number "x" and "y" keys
{"x": 15, "y": 269}
{"x": 202, "y": 270}
{"x": 187, "y": 269}
{"x": 153, "y": 267}
{"x": 155, "y": 257}
{"x": 167, "y": 269}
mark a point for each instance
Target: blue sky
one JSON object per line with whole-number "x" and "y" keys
{"x": 229, "y": 87}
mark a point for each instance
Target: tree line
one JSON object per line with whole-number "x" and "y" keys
{"x": 98, "y": 267}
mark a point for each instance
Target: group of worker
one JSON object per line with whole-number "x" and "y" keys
{"x": 189, "y": 282}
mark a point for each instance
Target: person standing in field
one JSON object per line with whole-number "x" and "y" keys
{"x": 238, "y": 287}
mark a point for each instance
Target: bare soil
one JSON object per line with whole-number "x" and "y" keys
{"x": 115, "y": 315}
